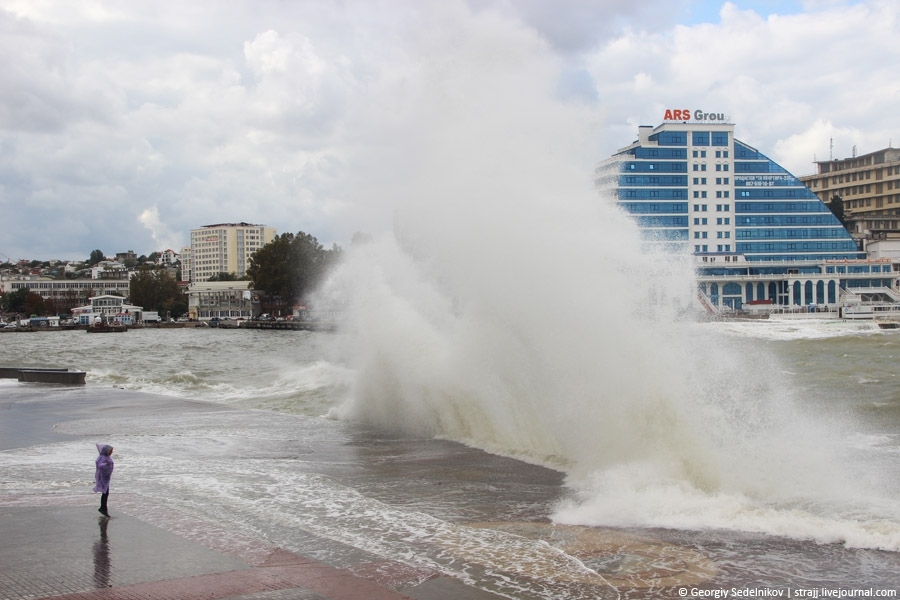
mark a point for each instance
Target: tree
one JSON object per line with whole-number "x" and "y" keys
{"x": 96, "y": 256}
{"x": 34, "y": 304}
{"x": 155, "y": 289}
{"x": 837, "y": 208}
{"x": 290, "y": 267}
{"x": 14, "y": 302}
{"x": 222, "y": 276}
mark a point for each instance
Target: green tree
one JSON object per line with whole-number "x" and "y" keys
{"x": 96, "y": 256}
{"x": 290, "y": 267}
{"x": 837, "y": 208}
{"x": 14, "y": 302}
{"x": 155, "y": 289}
{"x": 223, "y": 276}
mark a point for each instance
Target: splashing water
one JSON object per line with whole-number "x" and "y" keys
{"x": 511, "y": 309}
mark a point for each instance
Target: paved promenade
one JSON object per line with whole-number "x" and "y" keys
{"x": 55, "y": 545}
{"x": 61, "y": 547}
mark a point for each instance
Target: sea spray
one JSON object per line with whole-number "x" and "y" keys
{"x": 511, "y": 308}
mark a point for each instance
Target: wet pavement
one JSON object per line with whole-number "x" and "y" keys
{"x": 56, "y": 545}
{"x": 61, "y": 547}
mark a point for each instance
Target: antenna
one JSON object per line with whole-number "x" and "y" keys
{"x": 854, "y": 150}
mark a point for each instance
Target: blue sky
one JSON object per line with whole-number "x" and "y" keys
{"x": 707, "y": 11}
{"x": 125, "y": 125}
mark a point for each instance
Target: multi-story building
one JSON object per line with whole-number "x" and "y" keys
{"x": 65, "y": 293}
{"x": 167, "y": 258}
{"x": 758, "y": 235}
{"x": 869, "y": 189}
{"x": 221, "y": 299}
{"x": 225, "y": 248}
{"x": 187, "y": 263}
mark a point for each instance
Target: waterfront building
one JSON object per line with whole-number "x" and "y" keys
{"x": 221, "y": 299}
{"x": 869, "y": 189}
{"x": 108, "y": 309}
{"x": 758, "y": 235}
{"x": 65, "y": 291}
{"x": 225, "y": 248}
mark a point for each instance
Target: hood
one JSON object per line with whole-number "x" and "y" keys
{"x": 104, "y": 449}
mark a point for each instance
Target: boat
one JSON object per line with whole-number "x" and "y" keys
{"x": 107, "y": 328}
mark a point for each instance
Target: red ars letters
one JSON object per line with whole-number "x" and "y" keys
{"x": 678, "y": 114}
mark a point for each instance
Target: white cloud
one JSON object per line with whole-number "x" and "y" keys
{"x": 777, "y": 77}
{"x": 283, "y": 113}
{"x": 165, "y": 239}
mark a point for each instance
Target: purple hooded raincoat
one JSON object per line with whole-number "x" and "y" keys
{"x": 104, "y": 468}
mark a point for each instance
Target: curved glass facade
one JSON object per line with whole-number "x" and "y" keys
{"x": 693, "y": 188}
{"x": 758, "y": 235}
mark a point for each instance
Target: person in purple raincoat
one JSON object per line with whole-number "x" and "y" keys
{"x": 103, "y": 474}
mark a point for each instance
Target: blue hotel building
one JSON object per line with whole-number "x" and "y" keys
{"x": 758, "y": 234}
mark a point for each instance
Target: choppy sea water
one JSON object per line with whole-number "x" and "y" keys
{"x": 293, "y": 465}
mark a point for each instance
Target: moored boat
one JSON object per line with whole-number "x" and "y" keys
{"x": 107, "y": 328}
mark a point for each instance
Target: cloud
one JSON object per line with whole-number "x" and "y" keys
{"x": 165, "y": 239}
{"x": 778, "y": 77}
{"x": 283, "y": 113}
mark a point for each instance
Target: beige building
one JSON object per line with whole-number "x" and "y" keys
{"x": 869, "y": 186}
{"x": 225, "y": 248}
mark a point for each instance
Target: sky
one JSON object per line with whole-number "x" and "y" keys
{"x": 124, "y": 125}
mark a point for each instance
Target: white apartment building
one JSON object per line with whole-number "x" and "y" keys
{"x": 225, "y": 248}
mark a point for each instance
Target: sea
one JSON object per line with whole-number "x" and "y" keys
{"x": 758, "y": 457}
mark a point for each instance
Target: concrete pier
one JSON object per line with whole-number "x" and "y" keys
{"x": 41, "y": 375}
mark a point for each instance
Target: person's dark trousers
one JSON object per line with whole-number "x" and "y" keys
{"x": 103, "y": 498}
